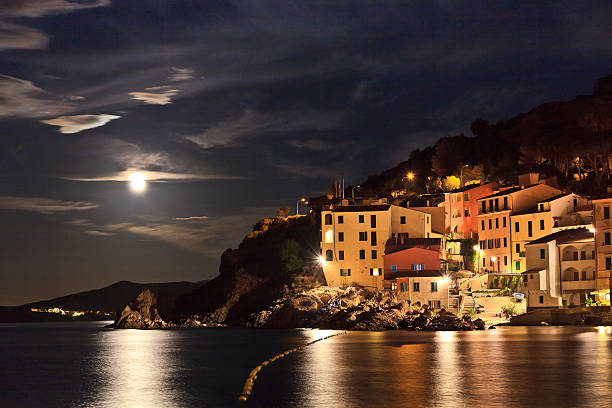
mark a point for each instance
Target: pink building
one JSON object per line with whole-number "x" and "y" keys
{"x": 414, "y": 274}
{"x": 461, "y": 209}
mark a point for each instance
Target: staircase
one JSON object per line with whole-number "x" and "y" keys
{"x": 468, "y": 302}
{"x": 454, "y": 302}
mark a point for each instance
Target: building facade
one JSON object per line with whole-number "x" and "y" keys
{"x": 560, "y": 269}
{"x": 564, "y": 211}
{"x": 602, "y": 210}
{"x": 494, "y": 212}
{"x": 461, "y": 209}
{"x": 354, "y": 238}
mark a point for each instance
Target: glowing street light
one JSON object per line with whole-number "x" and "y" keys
{"x": 410, "y": 176}
{"x": 297, "y": 205}
{"x": 322, "y": 261}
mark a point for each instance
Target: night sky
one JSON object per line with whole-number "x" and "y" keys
{"x": 238, "y": 108}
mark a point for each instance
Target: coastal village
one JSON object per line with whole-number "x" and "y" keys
{"x": 484, "y": 248}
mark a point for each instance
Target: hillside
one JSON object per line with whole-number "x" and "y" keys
{"x": 108, "y": 299}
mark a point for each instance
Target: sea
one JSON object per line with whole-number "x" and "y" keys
{"x": 83, "y": 364}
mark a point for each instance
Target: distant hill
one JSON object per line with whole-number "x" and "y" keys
{"x": 108, "y": 299}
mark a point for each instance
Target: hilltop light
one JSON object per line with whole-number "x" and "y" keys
{"x": 410, "y": 176}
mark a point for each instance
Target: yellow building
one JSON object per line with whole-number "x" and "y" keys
{"x": 494, "y": 223}
{"x": 603, "y": 245}
{"x": 354, "y": 238}
{"x": 563, "y": 211}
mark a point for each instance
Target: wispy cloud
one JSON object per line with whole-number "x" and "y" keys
{"x": 78, "y": 123}
{"x": 196, "y": 218}
{"x": 23, "y": 99}
{"x": 181, "y": 74}
{"x": 252, "y": 123}
{"x": 157, "y": 176}
{"x": 17, "y": 36}
{"x": 98, "y": 233}
{"x": 43, "y": 205}
{"x": 155, "y": 98}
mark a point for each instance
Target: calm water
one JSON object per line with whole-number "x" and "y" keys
{"x": 84, "y": 365}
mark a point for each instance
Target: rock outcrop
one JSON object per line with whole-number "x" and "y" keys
{"x": 356, "y": 309}
{"x": 142, "y": 314}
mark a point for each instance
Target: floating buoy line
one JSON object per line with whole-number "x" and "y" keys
{"x": 250, "y": 381}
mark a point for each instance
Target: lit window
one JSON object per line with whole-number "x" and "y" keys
{"x": 345, "y": 272}
{"x": 329, "y": 236}
{"x": 374, "y": 272}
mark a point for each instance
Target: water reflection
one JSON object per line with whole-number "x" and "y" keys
{"x": 135, "y": 370}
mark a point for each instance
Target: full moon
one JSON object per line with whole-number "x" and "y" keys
{"x": 138, "y": 182}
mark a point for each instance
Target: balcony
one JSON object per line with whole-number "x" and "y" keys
{"x": 579, "y": 285}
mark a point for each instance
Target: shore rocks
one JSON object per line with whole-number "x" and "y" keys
{"x": 578, "y": 316}
{"x": 356, "y": 309}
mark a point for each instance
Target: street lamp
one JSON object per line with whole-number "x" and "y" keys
{"x": 353, "y": 192}
{"x": 297, "y": 205}
{"x": 410, "y": 176}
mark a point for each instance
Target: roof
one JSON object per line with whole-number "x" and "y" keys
{"x": 532, "y": 271}
{"x": 605, "y": 196}
{"x": 564, "y": 236}
{"x": 466, "y": 188}
{"x": 396, "y": 245}
{"x": 417, "y": 274}
{"x": 362, "y": 208}
{"x": 553, "y": 198}
{"x": 505, "y": 192}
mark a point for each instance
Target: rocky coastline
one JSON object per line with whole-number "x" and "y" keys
{"x": 323, "y": 307}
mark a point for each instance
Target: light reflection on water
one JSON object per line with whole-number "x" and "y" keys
{"x": 135, "y": 370}
{"x": 86, "y": 366}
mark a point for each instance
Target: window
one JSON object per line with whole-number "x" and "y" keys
{"x": 361, "y": 219}
{"x": 582, "y": 255}
{"x": 374, "y": 254}
{"x": 341, "y": 255}
{"x": 517, "y": 265}
{"x": 606, "y": 213}
{"x": 434, "y": 286}
{"x": 608, "y": 263}
{"x": 404, "y": 286}
{"x": 329, "y": 255}
{"x": 341, "y": 237}
{"x": 497, "y": 223}
{"x": 490, "y": 205}
{"x": 607, "y": 238}
{"x": 393, "y": 268}
{"x": 328, "y": 219}
{"x": 484, "y": 207}
{"x": 466, "y": 212}
{"x": 576, "y": 276}
{"x": 530, "y": 228}
{"x": 427, "y": 219}
{"x": 362, "y": 254}
{"x": 505, "y": 203}
{"x": 482, "y": 225}
{"x": 497, "y": 204}
{"x": 518, "y": 248}
{"x": 345, "y": 272}
{"x": 516, "y": 227}
{"x": 490, "y": 223}
{"x": 329, "y": 236}
{"x": 583, "y": 275}
{"x": 363, "y": 236}
{"x": 373, "y": 220}
{"x": 374, "y": 272}
{"x": 484, "y": 262}
{"x": 541, "y": 207}
{"x": 434, "y": 304}
{"x": 504, "y": 222}
{"x": 497, "y": 242}
{"x": 403, "y": 219}
{"x": 505, "y": 242}
{"x": 418, "y": 267}
{"x": 541, "y": 299}
{"x": 373, "y": 238}
{"x": 542, "y": 253}
{"x": 505, "y": 260}
{"x": 416, "y": 287}
{"x": 575, "y": 256}
{"x": 341, "y": 219}
{"x": 541, "y": 225}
